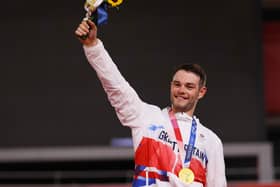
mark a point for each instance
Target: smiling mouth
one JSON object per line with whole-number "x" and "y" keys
{"x": 181, "y": 97}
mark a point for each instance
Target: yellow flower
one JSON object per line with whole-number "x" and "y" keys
{"x": 114, "y": 3}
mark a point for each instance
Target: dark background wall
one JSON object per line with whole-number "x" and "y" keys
{"x": 50, "y": 95}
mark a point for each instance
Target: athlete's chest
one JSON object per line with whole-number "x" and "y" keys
{"x": 165, "y": 133}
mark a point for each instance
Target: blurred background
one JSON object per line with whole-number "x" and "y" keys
{"x": 57, "y": 127}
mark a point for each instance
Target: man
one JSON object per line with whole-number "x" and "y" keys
{"x": 172, "y": 148}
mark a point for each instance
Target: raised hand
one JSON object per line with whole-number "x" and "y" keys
{"x": 87, "y": 33}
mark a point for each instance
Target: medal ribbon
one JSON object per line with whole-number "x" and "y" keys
{"x": 179, "y": 138}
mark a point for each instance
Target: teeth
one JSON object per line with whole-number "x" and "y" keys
{"x": 181, "y": 97}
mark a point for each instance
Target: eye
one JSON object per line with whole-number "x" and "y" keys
{"x": 176, "y": 84}
{"x": 190, "y": 86}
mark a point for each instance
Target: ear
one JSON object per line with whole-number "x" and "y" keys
{"x": 202, "y": 92}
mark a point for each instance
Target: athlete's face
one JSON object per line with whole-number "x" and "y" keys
{"x": 185, "y": 91}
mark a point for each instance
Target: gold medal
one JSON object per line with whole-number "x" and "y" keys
{"x": 186, "y": 175}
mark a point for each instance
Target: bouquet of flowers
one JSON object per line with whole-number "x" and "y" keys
{"x": 97, "y": 9}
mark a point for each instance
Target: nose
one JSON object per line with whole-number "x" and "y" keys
{"x": 181, "y": 89}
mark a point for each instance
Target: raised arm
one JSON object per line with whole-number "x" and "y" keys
{"x": 122, "y": 96}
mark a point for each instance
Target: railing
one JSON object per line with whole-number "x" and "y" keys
{"x": 263, "y": 152}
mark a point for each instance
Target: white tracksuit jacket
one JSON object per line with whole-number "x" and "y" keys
{"x": 157, "y": 160}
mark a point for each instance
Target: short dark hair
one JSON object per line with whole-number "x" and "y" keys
{"x": 194, "y": 68}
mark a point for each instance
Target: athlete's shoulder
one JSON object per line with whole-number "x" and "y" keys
{"x": 152, "y": 113}
{"x": 210, "y": 134}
